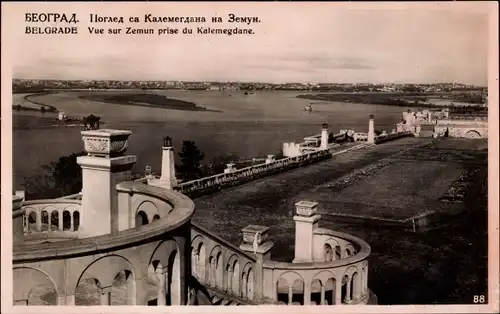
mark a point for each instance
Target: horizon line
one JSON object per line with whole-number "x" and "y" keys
{"x": 248, "y": 82}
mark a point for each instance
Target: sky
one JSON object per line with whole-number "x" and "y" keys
{"x": 295, "y": 42}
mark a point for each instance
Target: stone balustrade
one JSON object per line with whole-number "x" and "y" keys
{"x": 49, "y": 216}
{"x": 391, "y": 136}
{"x": 360, "y": 137}
{"x": 250, "y": 173}
{"x": 222, "y": 266}
{"x": 337, "y": 275}
{"x": 157, "y": 250}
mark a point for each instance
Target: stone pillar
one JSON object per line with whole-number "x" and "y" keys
{"x": 60, "y": 217}
{"x": 338, "y": 291}
{"x": 106, "y": 296}
{"x": 307, "y": 293}
{"x": 230, "y": 168}
{"x": 324, "y": 136}
{"x": 38, "y": 216}
{"x": 70, "y": 300}
{"x": 255, "y": 242}
{"x": 168, "y": 179}
{"x": 323, "y": 294}
{"x": 61, "y": 300}
{"x": 290, "y": 294}
{"x": 17, "y": 220}
{"x": 371, "y": 130}
{"x": 161, "y": 286}
{"x": 103, "y": 168}
{"x": 306, "y": 220}
{"x": 348, "y": 291}
{"x": 270, "y": 159}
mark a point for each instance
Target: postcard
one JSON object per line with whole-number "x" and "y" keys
{"x": 278, "y": 156}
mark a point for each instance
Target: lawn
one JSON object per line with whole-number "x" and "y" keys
{"x": 399, "y": 191}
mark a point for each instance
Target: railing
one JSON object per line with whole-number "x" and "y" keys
{"x": 333, "y": 278}
{"x": 466, "y": 122}
{"x": 384, "y": 138}
{"x": 51, "y": 215}
{"x": 360, "y": 136}
{"x": 250, "y": 173}
{"x": 221, "y": 266}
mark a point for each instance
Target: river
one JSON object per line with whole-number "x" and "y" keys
{"x": 246, "y": 125}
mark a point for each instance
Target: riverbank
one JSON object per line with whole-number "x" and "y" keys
{"x": 473, "y": 103}
{"x": 39, "y": 106}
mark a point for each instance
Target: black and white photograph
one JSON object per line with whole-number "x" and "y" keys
{"x": 335, "y": 155}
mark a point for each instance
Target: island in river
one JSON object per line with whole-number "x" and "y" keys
{"x": 143, "y": 99}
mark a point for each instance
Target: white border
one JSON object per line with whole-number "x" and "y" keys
{"x": 6, "y": 171}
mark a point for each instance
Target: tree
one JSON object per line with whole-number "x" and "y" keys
{"x": 190, "y": 167}
{"x": 218, "y": 164}
{"x": 60, "y": 178}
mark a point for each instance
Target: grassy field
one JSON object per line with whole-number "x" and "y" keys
{"x": 402, "y": 190}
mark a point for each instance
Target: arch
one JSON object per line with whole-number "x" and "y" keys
{"x": 27, "y": 278}
{"x": 76, "y": 220}
{"x": 174, "y": 279}
{"x": 104, "y": 270}
{"x": 236, "y": 278}
{"x": 472, "y": 134}
{"x": 67, "y": 223}
{"x": 317, "y": 291}
{"x": 45, "y": 220}
{"x": 331, "y": 291}
{"x": 350, "y": 250}
{"x": 31, "y": 220}
{"x": 149, "y": 209}
{"x": 165, "y": 261}
{"x": 141, "y": 219}
{"x": 162, "y": 252}
{"x": 230, "y": 272}
{"x": 323, "y": 276}
{"x": 328, "y": 252}
{"x": 282, "y": 290}
{"x": 245, "y": 276}
{"x": 250, "y": 284}
{"x": 156, "y": 217}
{"x": 54, "y": 220}
{"x": 216, "y": 270}
{"x": 290, "y": 276}
{"x": 351, "y": 270}
{"x": 198, "y": 258}
{"x": 123, "y": 289}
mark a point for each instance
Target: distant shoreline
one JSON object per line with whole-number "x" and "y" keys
{"x": 417, "y": 100}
